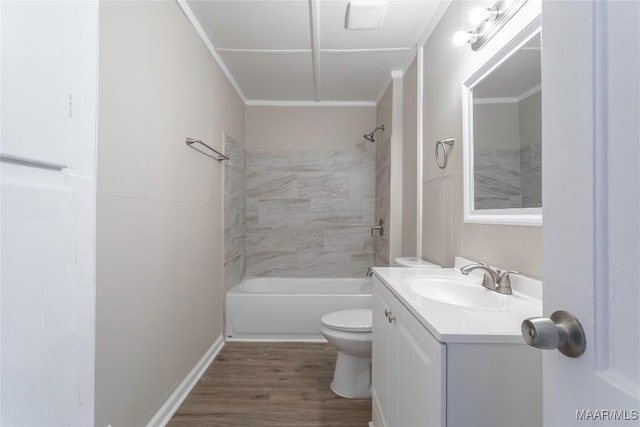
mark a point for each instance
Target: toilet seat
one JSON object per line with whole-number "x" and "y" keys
{"x": 349, "y": 320}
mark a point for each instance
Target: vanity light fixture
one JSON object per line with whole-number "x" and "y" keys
{"x": 487, "y": 22}
{"x": 462, "y": 37}
{"x": 478, "y": 15}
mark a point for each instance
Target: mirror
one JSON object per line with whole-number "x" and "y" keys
{"x": 502, "y": 136}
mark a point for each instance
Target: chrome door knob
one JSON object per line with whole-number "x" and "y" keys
{"x": 562, "y": 331}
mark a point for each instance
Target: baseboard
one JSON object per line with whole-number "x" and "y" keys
{"x": 173, "y": 402}
{"x": 273, "y": 340}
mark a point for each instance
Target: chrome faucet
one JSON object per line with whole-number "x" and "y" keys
{"x": 495, "y": 280}
{"x": 369, "y": 271}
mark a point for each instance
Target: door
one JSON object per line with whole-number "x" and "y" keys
{"x": 591, "y": 195}
{"x": 419, "y": 369}
{"x": 48, "y": 93}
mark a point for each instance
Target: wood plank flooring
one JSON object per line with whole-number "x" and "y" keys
{"x": 271, "y": 384}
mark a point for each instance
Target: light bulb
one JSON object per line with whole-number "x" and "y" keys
{"x": 478, "y": 15}
{"x": 460, "y": 38}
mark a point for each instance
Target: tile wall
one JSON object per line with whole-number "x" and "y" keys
{"x": 308, "y": 214}
{"x": 383, "y": 200}
{"x": 497, "y": 178}
{"x": 508, "y": 178}
{"x": 235, "y": 208}
{"x": 531, "y": 173}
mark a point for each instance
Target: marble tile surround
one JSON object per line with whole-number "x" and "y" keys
{"x": 235, "y": 218}
{"x": 497, "y": 178}
{"x": 383, "y": 201}
{"x": 508, "y": 178}
{"x": 531, "y": 173}
{"x": 308, "y": 214}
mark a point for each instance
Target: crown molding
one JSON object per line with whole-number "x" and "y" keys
{"x": 287, "y": 103}
{"x": 205, "y": 39}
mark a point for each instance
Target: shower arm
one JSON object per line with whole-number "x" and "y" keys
{"x": 370, "y": 136}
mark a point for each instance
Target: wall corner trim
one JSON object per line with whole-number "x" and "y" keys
{"x": 442, "y": 8}
{"x": 205, "y": 39}
{"x": 180, "y": 393}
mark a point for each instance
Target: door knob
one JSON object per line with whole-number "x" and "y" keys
{"x": 562, "y": 331}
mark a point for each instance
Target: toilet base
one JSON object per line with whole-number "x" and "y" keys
{"x": 352, "y": 376}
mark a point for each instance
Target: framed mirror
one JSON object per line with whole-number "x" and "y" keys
{"x": 502, "y": 138}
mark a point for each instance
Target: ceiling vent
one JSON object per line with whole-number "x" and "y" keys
{"x": 364, "y": 14}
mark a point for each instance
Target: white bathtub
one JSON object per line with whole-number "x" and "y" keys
{"x": 289, "y": 309}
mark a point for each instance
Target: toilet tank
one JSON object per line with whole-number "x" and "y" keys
{"x": 413, "y": 262}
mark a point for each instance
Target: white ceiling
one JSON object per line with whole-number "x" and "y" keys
{"x": 299, "y": 50}
{"x": 517, "y": 75}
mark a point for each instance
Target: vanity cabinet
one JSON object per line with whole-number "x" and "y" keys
{"x": 418, "y": 381}
{"x": 408, "y": 367}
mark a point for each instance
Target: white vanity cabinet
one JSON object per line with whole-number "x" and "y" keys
{"x": 408, "y": 367}
{"x": 418, "y": 381}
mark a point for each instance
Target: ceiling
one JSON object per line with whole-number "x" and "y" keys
{"x": 516, "y": 76}
{"x": 300, "y": 51}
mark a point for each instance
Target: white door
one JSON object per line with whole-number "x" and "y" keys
{"x": 48, "y": 94}
{"x": 591, "y": 197}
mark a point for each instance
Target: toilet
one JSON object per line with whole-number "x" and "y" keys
{"x": 350, "y": 332}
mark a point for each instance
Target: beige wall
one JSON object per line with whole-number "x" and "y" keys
{"x": 445, "y": 235}
{"x": 159, "y": 230}
{"x": 409, "y": 162}
{"x": 271, "y": 128}
{"x": 529, "y": 115}
{"x": 496, "y": 126}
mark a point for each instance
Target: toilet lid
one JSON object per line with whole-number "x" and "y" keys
{"x": 349, "y": 320}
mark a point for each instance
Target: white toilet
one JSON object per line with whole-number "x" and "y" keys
{"x": 350, "y": 332}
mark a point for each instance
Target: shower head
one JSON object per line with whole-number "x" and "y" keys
{"x": 369, "y": 136}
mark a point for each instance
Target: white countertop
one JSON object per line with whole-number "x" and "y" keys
{"x": 454, "y": 324}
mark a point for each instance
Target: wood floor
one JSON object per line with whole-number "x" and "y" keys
{"x": 271, "y": 384}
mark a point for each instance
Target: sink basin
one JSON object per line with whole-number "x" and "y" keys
{"x": 463, "y": 292}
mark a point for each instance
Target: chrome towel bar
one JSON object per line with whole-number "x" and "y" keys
{"x": 220, "y": 157}
{"x": 442, "y": 162}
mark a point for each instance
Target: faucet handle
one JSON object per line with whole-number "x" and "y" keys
{"x": 489, "y": 282}
{"x": 504, "y": 274}
{"x": 504, "y": 281}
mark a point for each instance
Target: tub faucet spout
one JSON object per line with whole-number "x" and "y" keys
{"x": 369, "y": 271}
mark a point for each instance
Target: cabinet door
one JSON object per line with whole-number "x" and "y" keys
{"x": 419, "y": 366}
{"x": 381, "y": 357}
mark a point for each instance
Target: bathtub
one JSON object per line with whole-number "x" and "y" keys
{"x": 289, "y": 309}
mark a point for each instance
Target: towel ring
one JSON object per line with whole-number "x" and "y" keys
{"x": 442, "y": 163}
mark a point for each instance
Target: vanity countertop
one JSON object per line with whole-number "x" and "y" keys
{"x": 455, "y": 324}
